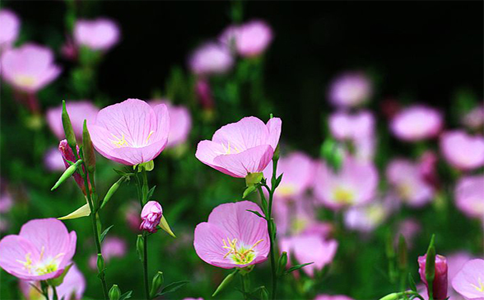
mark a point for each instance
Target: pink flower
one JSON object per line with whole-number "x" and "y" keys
{"x": 53, "y": 160}
{"x": 72, "y": 288}
{"x": 416, "y": 123}
{"x": 428, "y": 168}
{"x": 298, "y": 169}
{"x": 367, "y": 217}
{"x": 469, "y": 282}
{"x": 456, "y": 262}
{"x": 99, "y": 34}
{"x": 469, "y": 196}
{"x": 112, "y": 247}
{"x": 440, "y": 280}
{"x": 406, "y": 178}
{"x": 29, "y": 68}
{"x": 68, "y": 155}
{"x": 180, "y": 122}
{"x": 131, "y": 132}
{"x": 354, "y": 184}
{"x": 233, "y": 237}
{"x": 345, "y": 126}
{"x": 308, "y": 248}
{"x": 475, "y": 118}
{"x": 462, "y": 151}
{"x": 151, "y": 216}
{"x": 332, "y": 297}
{"x": 204, "y": 93}
{"x": 350, "y": 89}
{"x": 211, "y": 58}
{"x": 41, "y": 251}
{"x": 241, "y": 148}
{"x": 10, "y": 24}
{"x": 78, "y": 112}
{"x": 250, "y": 39}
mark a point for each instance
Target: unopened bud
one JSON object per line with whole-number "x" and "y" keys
{"x": 114, "y": 292}
{"x": 68, "y": 130}
{"x": 227, "y": 280}
{"x": 156, "y": 284}
{"x": 151, "y": 216}
{"x": 88, "y": 149}
{"x": 100, "y": 263}
{"x": 282, "y": 263}
{"x": 140, "y": 247}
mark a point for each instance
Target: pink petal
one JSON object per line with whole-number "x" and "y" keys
{"x": 208, "y": 243}
{"x": 253, "y": 160}
{"x": 247, "y": 133}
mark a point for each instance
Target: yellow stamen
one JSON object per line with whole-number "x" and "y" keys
{"x": 240, "y": 255}
{"x": 479, "y": 288}
{"x": 28, "y": 262}
{"x": 343, "y": 196}
{"x": 120, "y": 142}
{"x": 149, "y": 135}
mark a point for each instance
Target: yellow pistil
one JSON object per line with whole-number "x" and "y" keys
{"x": 25, "y": 80}
{"x": 241, "y": 255}
{"x": 120, "y": 142}
{"x": 479, "y": 288}
{"x": 342, "y": 195}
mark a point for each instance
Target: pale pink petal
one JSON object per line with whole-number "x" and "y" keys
{"x": 247, "y": 133}
{"x": 13, "y": 251}
{"x": 48, "y": 233}
{"x": 208, "y": 244}
{"x": 253, "y": 160}
{"x": 274, "y": 126}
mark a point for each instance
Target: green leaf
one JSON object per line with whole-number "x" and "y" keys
{"x": 256, "y": 213}
{"x": 82, "y": 211}
{"x": 166, "y": 227}
{"x": 278, "y": 181}
{"x": 103, "y": 235}
{"x": 172, "y": 287}
{"x": 150, "y": 192}
{"x": 297, "y": 267}
{"x": 126, "y": 295}
{"x": 227, "y": 280}
{"x": 411, "y": 282}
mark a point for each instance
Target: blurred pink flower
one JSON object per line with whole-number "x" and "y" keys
{"x": 132, "y": 215}
{"x": 462, "y": 151}
{"x": 469, "y": 282}
{"x": 475, "y": 118}
{"x": 350, "y": 89}
{"x": 346, "y": 126}
{"x": 78, "y": 112}
{"x": 405, "y": 177}
{"x": 440, "y": 285}
{"x": 308, "y": 248}
{"x": 204, "y": 93}
{"x": 250, "y": 39}
{"x": 456, "y": 262}
{"x": 416, "y": 123}
{"x": 469, "y": 196}
{"x": 428, "y": 168}
{"x": 131, "y": 132}
{"x": 366, "y": 218}
{"x": 233, "y": 237}
{"x": 72, "y": 288}
{"x": 332, "y": 297}
{"x": 298, "y": 169}
{"x": 53, "y": 160}
{"x": 151, "y": 216}
{"x": 10, "y": 24}
{"x": 41, "y": 251}
{"x": 99, "y": 34}
{"x": 69, "y": 50}
{"x": 111, "y": 247}
{"x": 6, "y": 200}
{"x": 29, "y": 68}
{"x": 211, "y": 58}
{"x": 68, "y": 155}
{"x": 180, "y": 122}
{"x": 354, "y": 184}
{"x": 409, "y": 228}
{"x": 238, "y": 149}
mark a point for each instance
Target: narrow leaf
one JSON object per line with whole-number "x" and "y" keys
{"x": 103, "y": 235}
{"x": 172, "y": 287}
{"x": 256, "y": 213}
{"x": 297, "y": 267}
{"x": 126, "y": 295}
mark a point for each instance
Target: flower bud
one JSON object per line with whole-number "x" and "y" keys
{"x": 439, "y": 286}
{"x": 114, "y": 292}
{"x": 282, "y": 263}
{"x": 227, "y": 280}
{"x": 140, "y": 247}
{"x": 100, "y": 263}
{"x": 151, "y": 216}
{"x": 156, "y": 283}
{"x": 88, "y": 149}
{"x": 68, "y": 130}
{"x": 68, "y": 155}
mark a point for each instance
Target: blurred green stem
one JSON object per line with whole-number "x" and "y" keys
{"x": 143, "y": 195}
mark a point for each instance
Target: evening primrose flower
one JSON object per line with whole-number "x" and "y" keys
{"x": 350, "y": 89}
{"x": 475, "y": 118}
{"x": 416, "y": 123}
{"x": 180, "y": 122}
{"x": 461, "y": 150}
{"x": 233, "y": 237}
{"x": 469, "y": 282}
{"x": 29, "y": 68}
{"x": 469, "y": 196}
{"x": 72, "y": 288}
{"x": 456, "y": 262}
{"x": 151, "y": 216}
{"x": 241, "y": 148}
{"x": 250, "y": 39}
{"x": 10, "y": 24}
{"x": 345, "y": 126}
{"x": 131, "y": 132}
{"x": 366, "y": 218}
{"x": 78, "y": 112}
{"x": 211, "y": 58}
{"x": 41, "y": 251}
{"x": 354, "y": 184}
{"x": 99, "y": 34}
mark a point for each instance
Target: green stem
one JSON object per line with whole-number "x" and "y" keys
{"x": 145, "y": 267}
{"x": 56, "y": 297}
{"x": 143, "y": 193}
{"x": 245, "y": 285}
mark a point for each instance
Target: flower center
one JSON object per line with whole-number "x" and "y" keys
{"x": 479, "y": 288}
{"x": 239, "y": 255}
{"x": 25, "y": 80}
{"x": 405, "y": 190}
{"x": 343, "y": 196}
{"x": 43, "y": 266}
{"x": 228, "y": 149}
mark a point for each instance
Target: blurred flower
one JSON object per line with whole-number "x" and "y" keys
{"x": 211, "y": 58}
{"x": 250, "y": 39}
{"x": 72, "y": 288}
{"x": 346, "y": 126}
{"x": 99, "y": 34}
{"x": 53, "y": 160}
{"x": 6, "y": 200}
{"x": 131, "y": 132}
{"x": 462, "y": 151}
{"x": 456, "y": 262}
{"x": 151, "y": 216}
{"x": 132, "y": 215}
{"x": 354, "y": 184}
{"x": 308, "y": 248}
{"x": 180, "y": 122}
{"x": 440, "y": 280}
{"x": 469, "y": 196}
{"x": 416, "y": 123}
{"x": 10, "y": 24}
{"x": 68, "y": 155}
{"x": 233, "y": 237}
{"x": 298, "y": 170}
{"x": 78, "y": 112}
{"x": 332, "y": 297}
{"x": 409, "y": 228}
{"x": 475, "y": 118}
{"x": 238, "y": 149}
{"x": 204, "y": 93}
{"x": 469, "y": 282}
{"x": 41, "y": 251}
{"x": 111, "y": 247}
{"x": 350, "y": 89}
{"x": 69, "y": 50}
{"x": 367, "y": 217}
{"x": 428, "y": 168}
{"x": 29, "y": 68}
{"x": 406, "y": 178}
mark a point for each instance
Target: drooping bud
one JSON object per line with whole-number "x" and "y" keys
{"x": 68, "y": 130}
{"x": 156, "y": 283}
{"x": 151, "y": 216}
{"x": 68, "y": 155}
{"x": 88, "y": 149}
{"x": 114, "y": 292}
{"x": 439, "y": 283}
